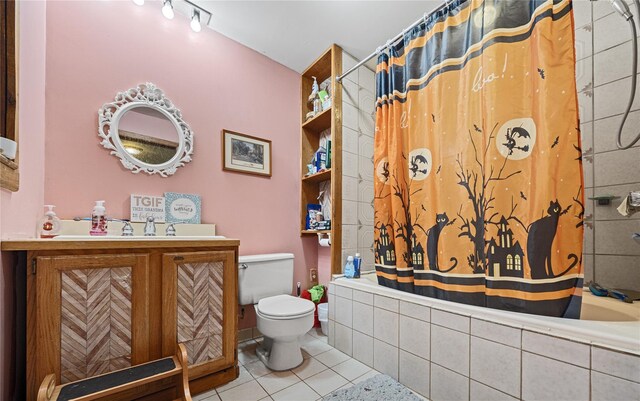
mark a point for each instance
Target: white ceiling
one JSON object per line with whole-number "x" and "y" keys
{"x": 294, "y": 33}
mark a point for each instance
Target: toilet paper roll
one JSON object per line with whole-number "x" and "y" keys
{"x": 324, "y": 242}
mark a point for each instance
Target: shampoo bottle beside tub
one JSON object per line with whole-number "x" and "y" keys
{"x": 349, "y": 268}
{"x": 98, "y": 220}
{"x": 357, "y": 263}
{"x": 50, "y": 225}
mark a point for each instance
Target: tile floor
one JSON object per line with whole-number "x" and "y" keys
{"x": 324, "y": 370}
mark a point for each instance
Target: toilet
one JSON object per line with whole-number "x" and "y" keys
{"x": 266, "y": 281}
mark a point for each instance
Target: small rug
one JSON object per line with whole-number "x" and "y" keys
{"x": 379, "y": 387}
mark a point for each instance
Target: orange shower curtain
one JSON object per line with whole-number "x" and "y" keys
{"x": 478, "y": 189}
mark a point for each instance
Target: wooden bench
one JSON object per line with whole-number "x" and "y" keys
{"x": 112, "y": 383}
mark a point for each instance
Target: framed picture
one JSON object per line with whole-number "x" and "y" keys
{"x": 246, "y": 154}
{"x": 182, "y": 208}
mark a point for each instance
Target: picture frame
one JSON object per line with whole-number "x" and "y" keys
{"x": 242, "y": 153}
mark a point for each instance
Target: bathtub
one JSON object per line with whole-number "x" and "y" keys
{"x": 445, "y": 350}
{"x": 603, "y": 321}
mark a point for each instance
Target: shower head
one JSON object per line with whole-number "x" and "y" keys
{"x": 621, "y": 7}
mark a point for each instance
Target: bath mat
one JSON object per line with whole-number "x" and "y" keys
{"x": 379, "y": 387}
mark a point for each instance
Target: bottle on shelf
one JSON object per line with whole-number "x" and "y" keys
{"x": 349, "y": 268}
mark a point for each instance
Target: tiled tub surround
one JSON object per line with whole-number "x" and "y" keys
{"x": 449, "y": 351}
{"x": 603, "y": 74}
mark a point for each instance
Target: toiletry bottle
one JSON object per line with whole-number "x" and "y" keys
{"x": 349, "y": 269}
{"x": 357, "y": 263}
{"x": 98, "y": 220}
{"x": 50, "y": 225}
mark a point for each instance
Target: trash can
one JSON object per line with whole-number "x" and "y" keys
{"x": 323, "y": 316}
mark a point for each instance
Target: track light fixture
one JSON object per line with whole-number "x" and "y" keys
{"x": 167, "y": 9}
{"x": 195, "y": 21}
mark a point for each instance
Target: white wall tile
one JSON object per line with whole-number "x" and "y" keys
{"x": 611, "y": 99}
{"x": 331, "y": 335}
{"x": 615, "y": 363}
{"x": 581, "y": 12}
{"x": 548, "y": 379}
{"x": 387, "y": 303}
{"x": 365, "y": 237}
{"x": 350, "y": 140}
{"x": 606, "y": 132}
{"x": 385, "y": 326}
{"x": 480, "y": 392}
{"x": 348, "y": 62}
{"x": 366, "y": 122}
{"x": 557, "y": 348}
{"x": 496, "y": 332}
{"x": 414, "y": 373}
{"x": 366, "y": 79}
{"x": 363, "y": 348}
{"x": 415, "y": 336}
{"x": 344, "y": 292}
{"x": 332, "y": 304}
{"x": 366, "y": 215}
{"x": 365, "y": 169}
{"x": 584, "y": 41}
{"x": 349, "y": 212}
{"x": 363, "y": 297}
{"x": 450, "y": 348}
{"x": 496, "y": 365}
{"x": 610, "y": 388}
{"x": 349, "y": 236}
{"x": 344, "y": 311}
{"x": 350, "y": 164}
{"x": 366, "y": 100}
{"x": 618, "y": 271}
{"x": 610, "y": 31}
{"x": 450, "y": 320}
{"x": 619, "y": 167}
{"x": 584, "y": 74}
{"x": 385, "y": 358}
{"x": 363, "y": 318}
{"x": 349, "y": 188}
{"x": 415, "y": 311}
{"x": 585, "y": 107}
{"x": 614, "y": 237}
{"x": 365, "y": 191}
{"x": 613, "y": 64}
{"x": 344, "y": 339}
{"x": 350, "y": 116}
{"x": 350, "y": 92}
{"x": 447, "y": 385}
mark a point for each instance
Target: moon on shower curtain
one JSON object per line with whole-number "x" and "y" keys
{"x": 419, "y": 164}
{"x": 516, "y": 138}
{"x": 382, "y": 170}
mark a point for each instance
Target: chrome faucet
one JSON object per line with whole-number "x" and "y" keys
{"x": 171, "y": 229}
{"x": 150, "y": 227}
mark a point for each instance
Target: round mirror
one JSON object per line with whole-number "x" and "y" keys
{"x": 145, "y": 131}
{"x": 148, "y": 135}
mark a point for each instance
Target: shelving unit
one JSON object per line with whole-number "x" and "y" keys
{"x": 328, "y": 65}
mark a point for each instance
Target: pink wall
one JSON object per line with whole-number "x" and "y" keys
{"x": 97, "y": 48}
{"x": 19, "y": 211}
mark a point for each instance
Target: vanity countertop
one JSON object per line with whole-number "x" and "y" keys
{"x": 114, "y": 243}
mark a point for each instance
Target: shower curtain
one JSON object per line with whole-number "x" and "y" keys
{"x": 478, "y": 178}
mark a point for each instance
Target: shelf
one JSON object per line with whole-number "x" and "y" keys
{"x": 320, "y": 122}
{"x": 314, "y": 232}
{"x": 317, "y": 177}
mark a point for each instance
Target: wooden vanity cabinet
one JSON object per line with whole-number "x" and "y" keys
{"x": 93, "y": 307}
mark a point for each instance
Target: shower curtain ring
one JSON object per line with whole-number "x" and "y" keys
{"x": 388, "y": 46}
{"x": 424, "y": 18}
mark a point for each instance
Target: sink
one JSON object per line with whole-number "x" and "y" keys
{"x": 137, "y": 238}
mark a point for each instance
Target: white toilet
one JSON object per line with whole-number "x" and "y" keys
{"x": 266, "y": 281}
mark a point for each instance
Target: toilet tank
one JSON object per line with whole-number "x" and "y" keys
{"x": 261, "y": 276}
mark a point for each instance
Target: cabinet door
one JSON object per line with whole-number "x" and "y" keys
{"x": 92, "y": 315}
{"x": 199, "y": 308}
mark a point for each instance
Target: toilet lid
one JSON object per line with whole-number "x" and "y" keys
{"x": 281, "y": 306}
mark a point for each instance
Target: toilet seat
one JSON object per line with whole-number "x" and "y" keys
{"x": 284, "y": 307}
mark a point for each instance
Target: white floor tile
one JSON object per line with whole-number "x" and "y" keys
{"x": 211, "y": 395}
{"x": 365, "y": 376}
{"x": 249, "y": 391}
{"x": 298, "y": 392}
{"x": 309, "y": 368}
{"x": 243, "y": 377}
{"x": 351, "y": 369}
{"x": 276, "y": 381}
{"x": 332, "y": 357}
{"x": 257, "y": 369}
{"x": 316, "y": 347}
{"x": 325, "y": 382}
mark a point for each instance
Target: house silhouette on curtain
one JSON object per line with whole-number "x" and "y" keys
{"x": 385, "y": 252}
{"x": 505, "y": 257}
{"x": 417, "y": 253}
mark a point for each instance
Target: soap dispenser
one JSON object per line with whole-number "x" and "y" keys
{"x": 50, "y": 225}
{"x": 98, "y": 220}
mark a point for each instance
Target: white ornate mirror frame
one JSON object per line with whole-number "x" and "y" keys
{"x": 144, "y": 95}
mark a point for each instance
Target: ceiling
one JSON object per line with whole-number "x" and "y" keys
{"x": 295, "y": 33}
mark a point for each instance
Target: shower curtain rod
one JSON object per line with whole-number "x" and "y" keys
{"x": 392, "y": 41}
